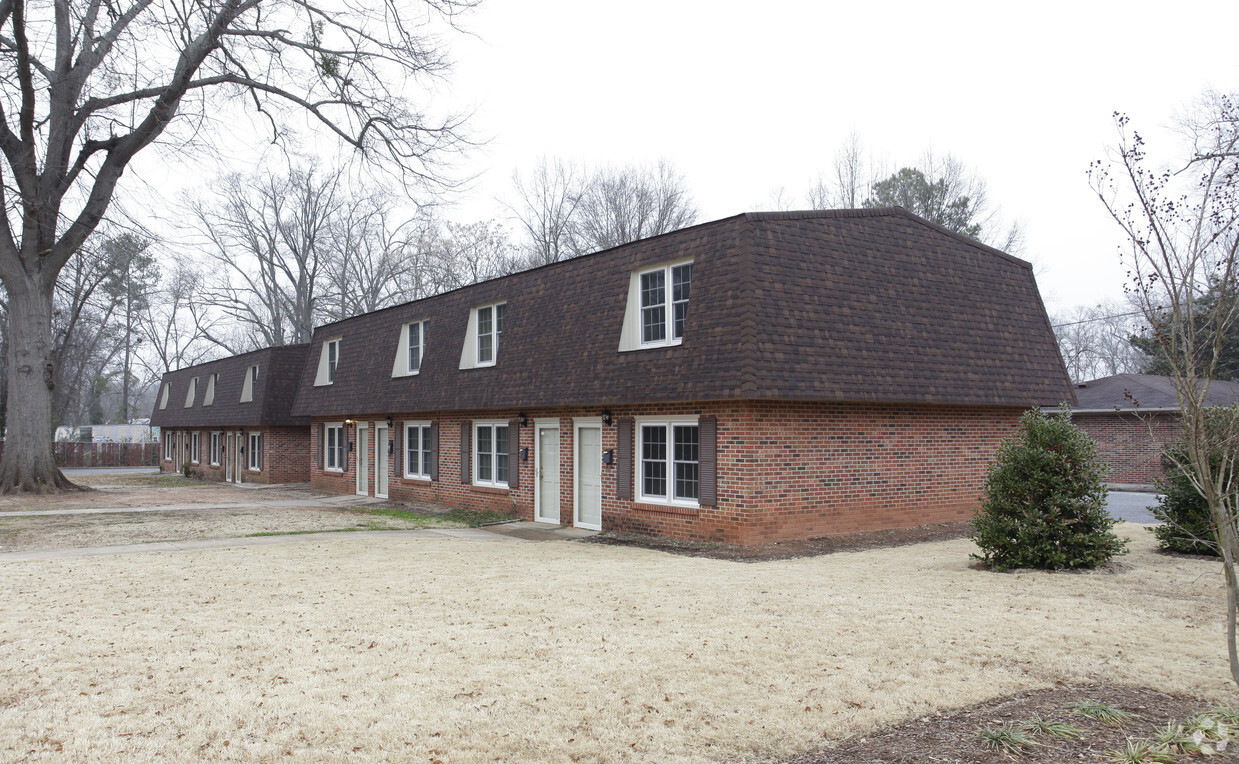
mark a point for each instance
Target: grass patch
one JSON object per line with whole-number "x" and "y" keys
{"x": 1039, "y": 726}
{"x": 1102, "y": 712}
{"x": 160, "y": 480}
{"x": 453, "y": 518}
{"x": 1008, "y": 738}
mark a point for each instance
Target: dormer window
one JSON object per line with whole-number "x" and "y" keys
{"x": 410, "y": 349}
{"x": 193, "y": 392}
{"x": 163, "y": 397}
{"x": 328, "y": 361}
{"x": 657, "y": 308}
{"x": 482, "y": 336}
{"x": 490, "y": 326}
{"x": 251, "y": 381}
{"x": 210, "y": 391}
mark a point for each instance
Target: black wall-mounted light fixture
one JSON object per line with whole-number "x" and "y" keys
{"x": 349, "y": 421}
{"x": 389, "y": 422}
{"x": 524, "y": 420}
{"x": 606, "y": 417}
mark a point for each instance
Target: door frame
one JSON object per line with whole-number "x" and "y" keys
{"x": 381, "y": 455}
{"x": 226, "y": 446}
{"x": 538, "y": 426}
{"x": 238, "y": 464}
{"x": 578, "y": 424}
{"x": 363, "y": 470}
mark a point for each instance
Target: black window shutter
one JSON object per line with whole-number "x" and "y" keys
{"x": 397, "y": 438}
{"x": 433, "y": 447}
{"x": 514, "y": 454}
{"x": 707, "y": 435}
{"x": 623, "y": 460}
{"x": 466, "y": 450}
{"x": 322, "y": 446}
{"x": 260, "y": 450}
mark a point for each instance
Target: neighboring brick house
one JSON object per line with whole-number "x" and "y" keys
{"x": 763, "y": 377}
{"x": 231, "y": 419}
{"x": 1133, "y": 417}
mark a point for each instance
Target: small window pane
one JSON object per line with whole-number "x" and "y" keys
{"x": 501, "y": 454}
{"x": 687, "y": 465}
{"x": 654, "y": 460}
{"x": 485, "y": 452}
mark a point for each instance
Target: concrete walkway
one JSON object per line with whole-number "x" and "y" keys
{"x": 518, "y": 532}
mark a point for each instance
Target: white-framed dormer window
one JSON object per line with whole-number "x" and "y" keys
{"x": 482, "y": 336}
{"x": 209, "y": 398}
{"x": 163, "y": 396}
{"x": 417, "y": 450}
{"x": 490, "y": 454}
{"x": 410, "y": 349}
{"x": 328, "y": 361}
{"x": 215, "y": 448}
{"x": 195, "y": 447}
{"x": 251, "y": 381}
{"x": 192, "y": 393}
{"x": 333, "y": 447}
{"x": 670, "y": 470}
{"x": 255, "y": 451}
{"x": 657, "y": 308}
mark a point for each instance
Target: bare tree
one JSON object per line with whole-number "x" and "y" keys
{"x": 268, "y": 237}
{"x": 459, "y": 254}
{"x": 1183, "y": 234}
{"x": 131, "y": 279}
{"x": 90, "y": 84}
{"x": 546, "y": 207}
{"x": 177, "y": 329}
{"x": 1096, "y": 341}
{"x": 628, "y": 203}
{"x": 366, "y": 252}
{"x": 566, "y": 211}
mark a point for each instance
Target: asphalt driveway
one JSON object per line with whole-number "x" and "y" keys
{"x": 1132, "y": 506}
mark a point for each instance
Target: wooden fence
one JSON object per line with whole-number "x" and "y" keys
{"x": 104, "y": 454}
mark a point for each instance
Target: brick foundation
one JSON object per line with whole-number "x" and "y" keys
{"x": 785, "y": 470}
{"x": 1131, "y": 443}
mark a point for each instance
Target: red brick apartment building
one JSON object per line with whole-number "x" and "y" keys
{"x": 1133, "y": 417}
{"x": 231, "y": 419}
{"x": 763, "y": 377}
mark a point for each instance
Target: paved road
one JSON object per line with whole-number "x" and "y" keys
{"x": 1132, "y": 506}
{"x": 110, "y": 470}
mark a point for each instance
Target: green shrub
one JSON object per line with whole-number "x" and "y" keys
{"x": 1044, "y": 500}
{"x": 1187, "y": 526}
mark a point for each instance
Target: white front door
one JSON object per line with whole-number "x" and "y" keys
{"x": 238, "y": 458}
{"x": 229, "y": 462}
{"x": 547, "y": 457}
{"x": 363, "y": 460}
{"x": 380, "y": 461}
{"x": 588, "y": 512}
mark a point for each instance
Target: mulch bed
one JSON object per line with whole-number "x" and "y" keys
{"x": 786, "y": 550}
{"x": 952, "y": 738}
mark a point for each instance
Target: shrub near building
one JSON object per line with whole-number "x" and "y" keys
{"x": 1044, "y": 501}
{"x": 1187, "y": 526}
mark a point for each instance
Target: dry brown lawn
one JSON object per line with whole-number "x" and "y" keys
{"x": 405, "y": 649}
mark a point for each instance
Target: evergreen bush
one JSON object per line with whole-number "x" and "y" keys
{"x": 1044, "y": 500}
{"x": 1187, "y": 527}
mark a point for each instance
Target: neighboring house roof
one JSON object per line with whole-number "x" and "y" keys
{"x": 279, "y": 372}
{"x": 1143, "y": 392}
{"x": 853, "y": 305}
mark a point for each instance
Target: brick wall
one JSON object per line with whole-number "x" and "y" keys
{"x": 285, "y": 459}
{"x": 785, "y": 470}
{"x": 1131, "y": 443}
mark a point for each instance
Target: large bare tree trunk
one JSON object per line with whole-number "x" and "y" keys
{"x": 29, "y": 464}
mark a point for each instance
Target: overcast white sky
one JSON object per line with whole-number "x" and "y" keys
{"x": 745, "y": 98}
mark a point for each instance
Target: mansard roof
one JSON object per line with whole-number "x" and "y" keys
{"x": 279, "y": 372}
{"x": 850, "y": 306}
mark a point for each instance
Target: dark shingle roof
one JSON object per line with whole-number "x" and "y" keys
{"x": 279, "y": 372}
{"x": 853, "y": 305}
{"x": 1144, "y": 391}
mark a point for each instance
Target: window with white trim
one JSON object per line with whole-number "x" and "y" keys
{"x": 169, "y": 446}
{"x": 193, "y": 392}
{"x": 417, "y": 450}
{"x": 670, "y": 462}
{"x": 490, "y": 326}
{"x": 664, "y": 303}
{"x": 215, "y": 448}
{"x": 195, "y": 447}
{"x": 490, "y": 454}
{"x": 163, "y": 397}
{"x": 255, "y": 451}
{"x": 328, "y": 362}
{"x": 416, "y": 344}
{"x": 333, "y": 447}
{"x": 251, "y": 381}
{"x": 210, "y": 391}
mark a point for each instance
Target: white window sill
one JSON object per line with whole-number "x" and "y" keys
{"x": 419, "y": 478}
{"x": 665, "y": 502}
{"x": 655, "y": 345}
{"x": 339, "y": 470}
